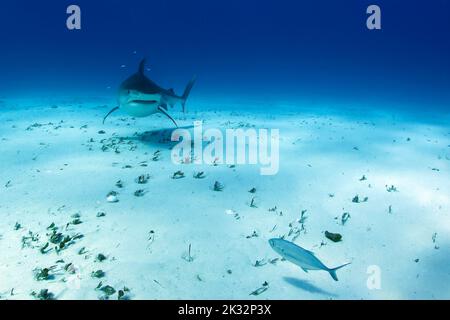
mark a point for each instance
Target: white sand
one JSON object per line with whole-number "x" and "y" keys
{"x": 55, "y": 172}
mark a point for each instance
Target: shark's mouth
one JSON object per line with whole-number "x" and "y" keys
{"x": 144, "y": 101}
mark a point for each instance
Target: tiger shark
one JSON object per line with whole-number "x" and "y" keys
{"x": 140, "y": 97}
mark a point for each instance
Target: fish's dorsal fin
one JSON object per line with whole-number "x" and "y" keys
{"x": 142, "y": 66}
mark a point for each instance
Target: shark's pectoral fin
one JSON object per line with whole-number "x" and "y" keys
{"x": 306, "y": 270}
{"x": 114, "y": 109}
{"x": 161, "y": 109}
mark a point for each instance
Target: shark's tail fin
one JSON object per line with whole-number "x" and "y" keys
{"x": 333, "y": 271}
{"x": 186, "y": 92}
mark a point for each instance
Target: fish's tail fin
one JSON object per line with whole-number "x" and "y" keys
{"x": 186, "y": 92}
{"x": 333, "y": 271}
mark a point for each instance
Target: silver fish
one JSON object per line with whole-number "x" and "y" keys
{"x": 301, "y": 257}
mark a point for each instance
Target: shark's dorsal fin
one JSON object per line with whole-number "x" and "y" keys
{"x": 142, "y": 66}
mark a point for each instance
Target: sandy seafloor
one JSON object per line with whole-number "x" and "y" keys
{"x": 53, "y": 167}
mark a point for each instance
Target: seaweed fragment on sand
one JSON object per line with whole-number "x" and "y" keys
{"x": 107, "y": 290}
{"x": 156, "y": 155}
{"x": 150, "y": 238}
{"x": 30, "y": 240}
{"x": 43, "y": 274}
{"x": 344, "y": 218}
{"x": 253, "y": 235}
{"x": 199, "y": 175}
{"x": 142, "y": 179}
{"x": 55, "y": 237}
{"x": 178, "y": 175}
{"x": 140, "y": 193}
{"x": 122, "y": 294}
{"x": 111, "y": 197}
{"x": 335, "y": 237}
{"x": 119, "y": 184}
{"x": 260, "y": 263}
{"x": 143, "y": 164}
{"x": 303, "y": 217}
{"x": 434, "y": 239}
{"x": 67, "y": 241}
{"x": 297, "y": 227}
{"x": 52, "y": 227}
{"x": 218, "y": 186}
{"x": 391, "y": 188}
{"x": 357, "y": 199}
{"x": 274, "y": 260}
{"x": 70, "y": 268}
{"x": 187, "y": 256}
{"x": 44, "y": 294}
{"x": 253, "y": 203}
{"x": 98, "y": 274}
{"x": 100, "y": 214}
{"x": 76, "y": 221}
{"x": 100, "y": 257}
{"x": 261, "y": 289}
{"x": 45, "y": 248}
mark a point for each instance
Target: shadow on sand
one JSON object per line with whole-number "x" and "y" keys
{"x": 158, "y": 136}
{"x": 307, "y": 286}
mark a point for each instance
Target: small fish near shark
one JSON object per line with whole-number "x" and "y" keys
{"x": 301, "y": 257}
{"x": 140, "y": 97}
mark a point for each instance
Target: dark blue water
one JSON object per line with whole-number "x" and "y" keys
{"x": 261, "y": 49}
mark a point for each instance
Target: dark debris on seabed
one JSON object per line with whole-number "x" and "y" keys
{"x": 62, "y": 243}
{"x": 58, "y": 240}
